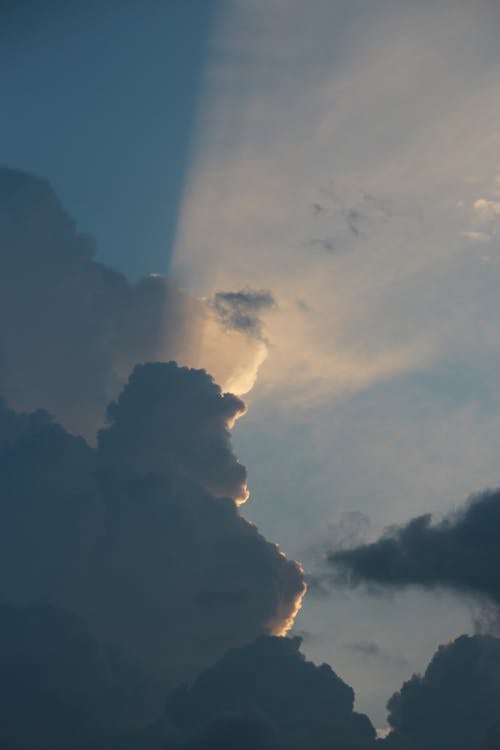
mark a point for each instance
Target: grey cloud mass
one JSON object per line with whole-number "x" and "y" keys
{"x": 71, "y": 328}
{"x": 461, "y": 552}
{"x": 455, "y": 704}
{"x": 269, "y": 681}
{"x": 241, "y": 310}
{"x": 60, "y": 687}
{"x": 141, "y": 537}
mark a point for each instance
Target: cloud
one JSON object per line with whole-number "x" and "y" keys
{"x": 141, "y": 536}
{"x": 460, "y": 552}
{"x": 270, "y": 681}
{"x": 455, "y": 704}
{"x": 240, "y": 310}
{"x": 174, "y": 420}
{"x": 72, "y": 329}
{"x": 60, "y": 687}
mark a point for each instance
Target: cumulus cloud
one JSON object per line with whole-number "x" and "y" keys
{"x": 141, "y": 536}
{"x": 455, "y": 704}
{"x": 71, "y": 328}
{"x": 271, "y": 683}
{"x": 461, "y": 552}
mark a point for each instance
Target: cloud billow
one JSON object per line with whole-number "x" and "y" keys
{"x": 455, "y": 704}
{"x": 268, "y": 685}
{"x": 141, "y": 537}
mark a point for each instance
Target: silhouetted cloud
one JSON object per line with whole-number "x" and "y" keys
{"x": 241, "y": 310}
{"x": 270, "y": 685}
{"x": 455, "y": 704}
{"x": 461, "y": 552}
{"x": 141, "y": 537}
{"x": 71, "y": 328}
{"x": 60, "y": 687}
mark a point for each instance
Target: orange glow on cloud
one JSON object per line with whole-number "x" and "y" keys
{"x": 283, "y": 620}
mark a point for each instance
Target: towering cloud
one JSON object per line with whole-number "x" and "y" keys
{"x": 71, "y": 328}
{"x": 455, "y": 705}
{"x": 461, "y": 552}
{"x": 141, "y": 537}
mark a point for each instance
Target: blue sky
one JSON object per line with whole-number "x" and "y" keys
{"x": 100, "y": 99}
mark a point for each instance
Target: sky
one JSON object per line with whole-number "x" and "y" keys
{"x": 301, "y": 200}
{"x": 101, "y": 98}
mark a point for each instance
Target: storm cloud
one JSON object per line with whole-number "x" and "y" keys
{"x": 455, "y": 704}
{"x": 141, "y": 537}
{"x": 269, "y": 685}
{"x": 461, "y": 552}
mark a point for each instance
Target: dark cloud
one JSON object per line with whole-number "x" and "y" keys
{"x": 141, "y": 537}
{"x": 455, "y": 705}
{"x": 71, "y": 329}
{"x": 60, "y": 687}
{"x": 271, "y": 686}
{"x": 170, "y": 419}
{"x": 461, "y": 552}
{"x": 491, "y": 740}
{"x": 241, "y": 310}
